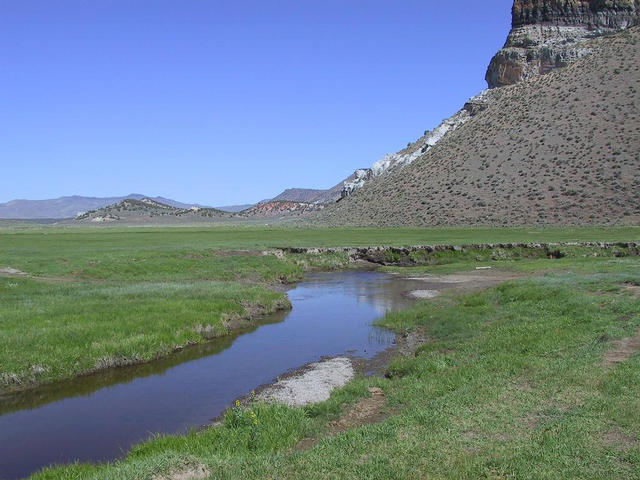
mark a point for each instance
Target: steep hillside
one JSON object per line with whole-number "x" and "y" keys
{"x": 147, "y": 210}
{"x": 559, "y": 149}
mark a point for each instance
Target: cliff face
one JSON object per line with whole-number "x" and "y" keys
{"x": 548, "y": 34}
{"x": 560, "y": 149}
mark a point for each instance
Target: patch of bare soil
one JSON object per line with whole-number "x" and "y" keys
{"x": 11, "y": 272}
{"x": 424, "y": 294}
{"x": 531, "y": 420}
{"x": 525, "y": 386}
{"x": 198, "y": 472}
{"x": 237, "y": 253}
{"x": 631, "y": 289}
{"x": 465, "y": 281}
{"x": 366, "y": 411}
{"x": 623, "y": 350}
{"x": 617, "y": 439}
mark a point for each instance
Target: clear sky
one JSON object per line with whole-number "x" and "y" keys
{"x": 226, "y": 102}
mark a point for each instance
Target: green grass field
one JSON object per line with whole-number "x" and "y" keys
{"x": 96, "y": 297}
{"x": 512, "y": 384}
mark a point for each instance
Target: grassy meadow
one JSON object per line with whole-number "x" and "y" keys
{"x": 513, "y": 382}
{"x": 91, "y": 298}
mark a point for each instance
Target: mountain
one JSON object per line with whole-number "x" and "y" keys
{"x": 148, "y": 210}
{"x": 554, "y": 149}
{"x": 548, "y": 34}
{"x": 69, "y": 207}
{"x": 234, "y": 208}
{"x": 545, "y": 35}
{"x": 279, "y": 208}
{"x": 330, "y": 195}
{"x": 301, "y": 195}
{"x": 393, "y": 161}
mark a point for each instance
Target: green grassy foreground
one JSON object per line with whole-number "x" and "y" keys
{"x": 112, "y": 302}
{"x": 55, "y": 332}
{"x": 93, "y": 298}
{"x": 513, "y": 384}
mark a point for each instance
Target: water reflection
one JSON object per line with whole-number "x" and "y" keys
{"x": 99, "y": 417}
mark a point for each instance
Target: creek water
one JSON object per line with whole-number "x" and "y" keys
{"x": 98, "y": 417}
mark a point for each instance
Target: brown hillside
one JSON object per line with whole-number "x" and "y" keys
{"x": 276, "y": 208}
{"x": 558, "y": 149}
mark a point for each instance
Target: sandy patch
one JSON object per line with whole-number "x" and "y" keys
{"x": 313, "y": 384}
{"x": 422, "y": 294}
{"x": 9, "y": 271}
{"x": 237, "y": 253}
{"x": 434, "y": 279}
{"x": 481, "y": 276}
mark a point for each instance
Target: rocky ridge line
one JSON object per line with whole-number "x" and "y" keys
{"x": 550, "y": 34}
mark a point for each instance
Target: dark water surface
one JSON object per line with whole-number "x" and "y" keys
{"x": 99, "y": 417}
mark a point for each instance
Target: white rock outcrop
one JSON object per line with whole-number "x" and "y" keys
{"x": 392, "y": 161}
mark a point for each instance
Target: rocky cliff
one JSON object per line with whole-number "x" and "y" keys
{"x": 558, "y": 149}
{"x": 548, "y": 34}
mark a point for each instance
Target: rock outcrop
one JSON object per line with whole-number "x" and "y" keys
{"x": 360, "y": 176}
{"x": 558, "y": 149}
{"x": 394, "y": 161}
{"x": 548, "y": 34}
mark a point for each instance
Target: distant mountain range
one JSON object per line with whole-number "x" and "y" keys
{"x": 554, "y": 141}
{"x": 328, "y": 196}
{"x": 71, "y": 206}
{"x": 234, "y": 208}
{"x": 68, "y": 207}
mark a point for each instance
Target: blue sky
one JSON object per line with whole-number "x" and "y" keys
{"x": 226, "y": 102}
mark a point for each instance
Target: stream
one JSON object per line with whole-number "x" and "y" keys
{"x": 98, "y": 417}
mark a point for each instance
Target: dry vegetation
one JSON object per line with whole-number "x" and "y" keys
{"x": 560, "y": 149}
